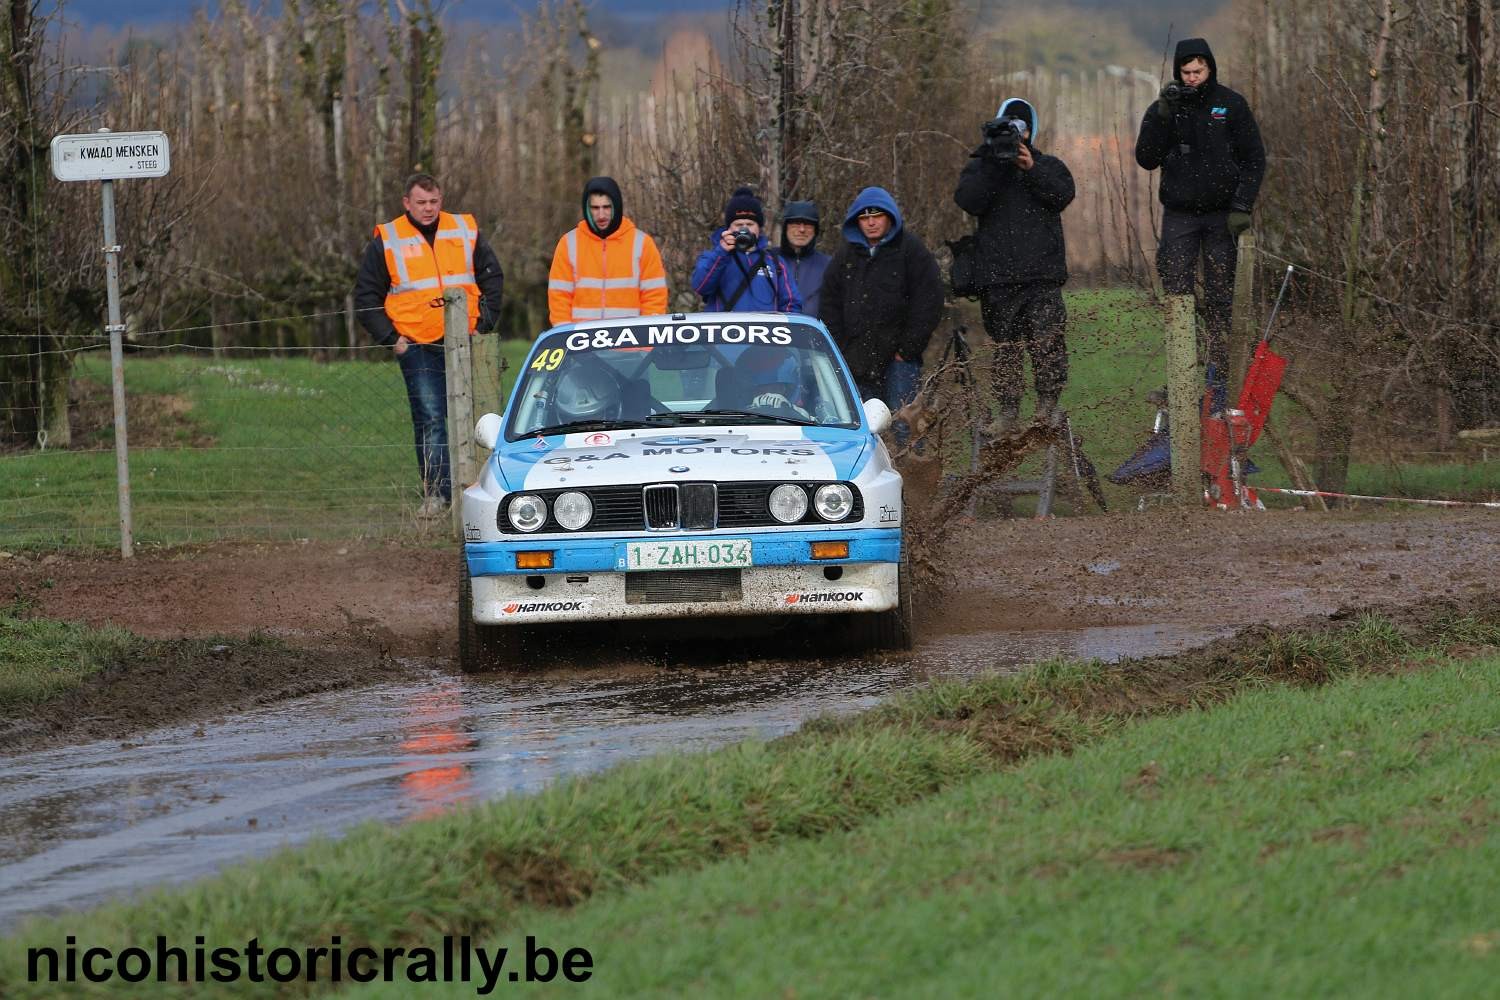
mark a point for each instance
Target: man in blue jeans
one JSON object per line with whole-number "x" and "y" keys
{"x": 882, "y": 298}
{"x": 398, "y": 296}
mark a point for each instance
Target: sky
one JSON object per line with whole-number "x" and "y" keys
{"x": 115, "y": 13}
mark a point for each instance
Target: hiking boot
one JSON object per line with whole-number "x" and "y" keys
{"x": 1003, "y": 424}
{"x": 432, "y": 507}
{"x": 1048, "y": 413}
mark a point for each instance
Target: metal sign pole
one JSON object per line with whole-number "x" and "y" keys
{"x": 106, "y": 157}
{"x": 116, "y": 330}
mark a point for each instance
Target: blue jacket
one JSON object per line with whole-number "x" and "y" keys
{"x": 720, "y": 273}
{"x": 807, "y": 270}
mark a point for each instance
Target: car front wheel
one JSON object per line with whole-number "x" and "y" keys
{"x": 483, "y": 647}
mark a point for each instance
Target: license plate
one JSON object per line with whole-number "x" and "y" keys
{"x": 721, "y": 554}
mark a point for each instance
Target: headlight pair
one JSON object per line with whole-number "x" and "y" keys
{"x": 528, "y": 512}
{"x": 789, "y": 502}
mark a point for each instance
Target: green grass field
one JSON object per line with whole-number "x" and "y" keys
{"x": 1288, "y": 813}
{"x": 258, "y": 448}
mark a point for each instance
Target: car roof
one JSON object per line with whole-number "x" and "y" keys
{"x": 692, "y": 317}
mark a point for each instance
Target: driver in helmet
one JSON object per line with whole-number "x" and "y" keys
{"x": 587, "y": 391}
{"x": 773, "y": 376}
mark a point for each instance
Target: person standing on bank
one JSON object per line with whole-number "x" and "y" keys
{"x": 882, "y": 298}
{"x": 738, "y": 273}
{"x": 799, "y": 238}
{"x": 398, "y": 296}
{"x": 605, "y": 267}
{"x": 1018, "y": 194}
{"x": 1204, "y": 138}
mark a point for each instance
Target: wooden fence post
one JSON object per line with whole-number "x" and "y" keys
{"x": 1242, "y": 318}
{"x": 1184, "y": 399}
{"x": 459, "y": 364}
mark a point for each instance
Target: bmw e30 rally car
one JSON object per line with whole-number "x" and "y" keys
{"x": 701, "y": 465}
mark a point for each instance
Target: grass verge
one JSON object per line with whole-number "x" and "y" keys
{"x": 475, "y": 870}
{"x": 41, "y": 659}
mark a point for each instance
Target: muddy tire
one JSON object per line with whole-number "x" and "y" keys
{"x": 483, "y": 647}
{"x": 893, "y": 629}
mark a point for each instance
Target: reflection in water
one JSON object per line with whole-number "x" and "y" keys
{"x": 435, "y": 734}
{"x": 84, "y": 823}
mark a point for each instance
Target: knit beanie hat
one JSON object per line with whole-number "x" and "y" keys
{"x": 744, "y": 205}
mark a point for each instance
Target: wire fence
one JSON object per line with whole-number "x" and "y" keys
{"x": 265, "y": 443}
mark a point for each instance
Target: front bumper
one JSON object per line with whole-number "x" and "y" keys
{"x": 588, "y": 581}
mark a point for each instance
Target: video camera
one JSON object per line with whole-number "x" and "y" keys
{"x": 1002, "y": 137}
{"x": 745, "y": 240}
{"x": 1177, "y": 91}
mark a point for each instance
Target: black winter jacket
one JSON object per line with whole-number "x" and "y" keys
{"x": 1020, "y": 235}
{"x": 877, "y": 306}
{"x": 1210, "y": 154}
{"x": 373, "y": 282}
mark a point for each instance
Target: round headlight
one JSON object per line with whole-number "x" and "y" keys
{"x": 573, "y": 510}
{"x": 788, "y": 503}
{"x": 527, "y": 512}
{"x": 834, "y": 502}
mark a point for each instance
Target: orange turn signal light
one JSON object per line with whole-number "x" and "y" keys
{"x": 830, "y": 550}
{"x": 534, "y": 560}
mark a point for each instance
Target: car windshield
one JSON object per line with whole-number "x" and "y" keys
{"x": 664, "y": 373}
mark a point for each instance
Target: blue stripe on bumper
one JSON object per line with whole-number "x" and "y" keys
{"x": 604, "y": 555}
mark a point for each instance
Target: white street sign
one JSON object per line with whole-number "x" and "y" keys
{"x": 110, "y": 156}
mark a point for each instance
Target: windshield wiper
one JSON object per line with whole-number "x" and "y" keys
{"x": 580, "y": 426}
{"x": 751, "y": 414}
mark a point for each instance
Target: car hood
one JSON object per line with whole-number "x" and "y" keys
{"x": 735, "y": 454}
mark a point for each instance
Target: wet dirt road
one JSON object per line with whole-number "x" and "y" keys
{"x": 81, "y": 824}
{"x": 86, "y": 822}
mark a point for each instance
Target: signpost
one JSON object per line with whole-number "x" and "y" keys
{"x": 106, "y": 157}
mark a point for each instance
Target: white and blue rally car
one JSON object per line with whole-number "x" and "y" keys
{"x": 694, "y": 465}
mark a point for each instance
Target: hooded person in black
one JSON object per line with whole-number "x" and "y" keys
{"x": 1203, "y": 137}
{"x": 806, "y": 262}
{"x": 1018, "y": 194}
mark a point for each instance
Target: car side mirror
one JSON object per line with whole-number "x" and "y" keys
{"x": 878, "y": 415}
{"x": 487, "y": 430}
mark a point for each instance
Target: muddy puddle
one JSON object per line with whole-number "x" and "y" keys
{"x": 82, "y": 824}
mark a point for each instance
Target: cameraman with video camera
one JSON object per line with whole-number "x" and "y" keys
{"x": 738, "y": 273}
{"x": 1018, "y": 194}
{"x": 1204, "y": 138}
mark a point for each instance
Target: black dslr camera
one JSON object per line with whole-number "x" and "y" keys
{"x": 1178, "y": 91}
{"x": 745, "y": 240}
{"x": 1002, "y": 138}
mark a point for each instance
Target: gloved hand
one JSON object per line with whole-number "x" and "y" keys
{"x": 1237, "y": 223}
{"x": 1166, "y": 106}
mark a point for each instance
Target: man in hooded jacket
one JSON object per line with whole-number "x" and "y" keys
{"x": 1204, "y": 138}
{"x": 605, "y": 267}
{"x": 732, "y": 280}
{"x": 1022, "y": 262}
{"x": 882, "y": 298}
{"x": 799, "y": 248}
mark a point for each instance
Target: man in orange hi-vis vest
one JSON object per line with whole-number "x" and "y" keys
{"x": 398, "y": 296}
{"x": 605, "y": 267}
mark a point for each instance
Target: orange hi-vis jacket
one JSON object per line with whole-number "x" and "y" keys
{"x": 595, "y": 278}
{"x": 419, "y": 273}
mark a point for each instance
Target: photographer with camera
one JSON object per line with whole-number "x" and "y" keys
{"x": 1204, "y": 138}
{"x": 1018, "y": 194}
{"x": 738, "y": 273}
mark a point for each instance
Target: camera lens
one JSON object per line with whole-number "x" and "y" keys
{"x": 745, "y": 240}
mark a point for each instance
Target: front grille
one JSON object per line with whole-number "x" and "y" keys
{"x": 696, "y": 506}
{"x": 700, "y": 502}
{"x": 678, "y": 586}
{"x": 661, "y": 507}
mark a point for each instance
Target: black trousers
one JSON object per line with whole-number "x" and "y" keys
{"x": 1185, "y": 239}
{"x": 1028, "y": 317}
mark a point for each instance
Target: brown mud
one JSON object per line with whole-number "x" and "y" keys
{"x": 353, "y": 615}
